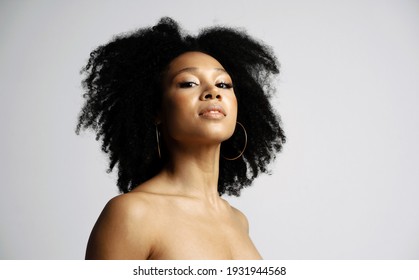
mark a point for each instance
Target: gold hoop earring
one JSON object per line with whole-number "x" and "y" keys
{"x": 158, "y": 141}
{"x": 245, "y": 145}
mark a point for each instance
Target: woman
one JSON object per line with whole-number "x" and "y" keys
{"x": 185, "y": 119}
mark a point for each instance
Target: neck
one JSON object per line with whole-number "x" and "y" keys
{"x": 193, "y": 171}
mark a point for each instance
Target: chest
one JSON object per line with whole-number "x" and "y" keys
{"x": 194, "y": 237}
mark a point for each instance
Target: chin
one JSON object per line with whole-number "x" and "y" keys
{"x": 221, "y": 133}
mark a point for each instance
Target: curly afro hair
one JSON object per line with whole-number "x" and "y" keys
{"x": 123, "y": 92}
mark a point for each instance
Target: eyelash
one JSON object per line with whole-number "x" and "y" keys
{"x": 219, "y": 85}
{"x": 187, "y": 84}
{"x": 225, "y": 85}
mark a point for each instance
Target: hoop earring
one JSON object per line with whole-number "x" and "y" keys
{"x": 158, "y": 141}
{"x": 245, "y": 145}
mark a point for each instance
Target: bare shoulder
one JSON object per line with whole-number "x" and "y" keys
{"x": 241, "y": 217}
{"x": 124, "y": 229}
{"x": 127, "y": 209}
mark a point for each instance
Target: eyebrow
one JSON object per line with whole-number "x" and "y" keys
{"x": 195, "y": 69}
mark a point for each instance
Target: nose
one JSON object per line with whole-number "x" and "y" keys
{"x": 211, "y": 93}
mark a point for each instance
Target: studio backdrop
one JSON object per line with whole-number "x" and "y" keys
{"x": 346, "y": 185}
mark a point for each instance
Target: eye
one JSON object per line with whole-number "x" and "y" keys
{"x": 224, "y": 85}
{"x": 187, "y": 84}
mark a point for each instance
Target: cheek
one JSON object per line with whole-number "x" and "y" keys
{"x": 177, "y": 107}
{"x": 178, "y": 114}
{"x": 233, "y": 106}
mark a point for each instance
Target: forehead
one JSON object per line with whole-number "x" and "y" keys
{"x": 193, "y": 60}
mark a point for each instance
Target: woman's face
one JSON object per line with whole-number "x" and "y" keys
{"x": 199, "y": 104}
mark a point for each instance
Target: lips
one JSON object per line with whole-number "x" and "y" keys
{"x": 213, "y": 111}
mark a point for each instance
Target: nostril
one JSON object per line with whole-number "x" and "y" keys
{"x": 208, "y": 96}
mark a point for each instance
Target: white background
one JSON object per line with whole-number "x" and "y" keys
{"x": 346, "y": 185}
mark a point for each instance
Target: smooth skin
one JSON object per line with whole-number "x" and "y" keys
{"x": 179, "y": 214}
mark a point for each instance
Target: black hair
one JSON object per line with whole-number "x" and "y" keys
{"x": 123, "y": 92}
